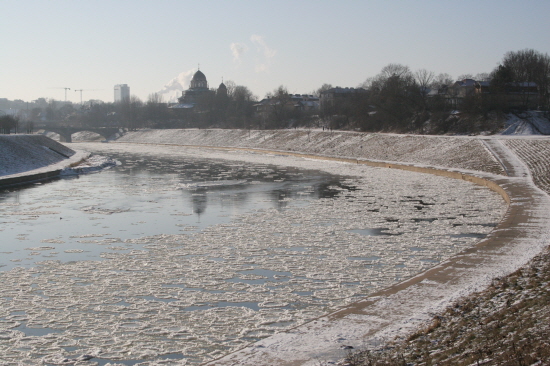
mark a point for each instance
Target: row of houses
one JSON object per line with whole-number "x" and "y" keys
{"x": 301, "y": 102}
{"x": 526, "y": 94}
{"x": 307, "y": 102}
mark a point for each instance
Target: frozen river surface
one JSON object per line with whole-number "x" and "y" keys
{"x": 143, "y": 196}
{"x": 180, "y": 255}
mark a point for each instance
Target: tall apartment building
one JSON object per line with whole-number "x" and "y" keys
{"x": 122, "y": 92}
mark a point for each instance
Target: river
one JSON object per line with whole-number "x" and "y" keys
{"x": 181, "y": 255}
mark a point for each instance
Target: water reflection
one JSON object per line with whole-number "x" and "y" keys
{"x": 199, "y": 204}
{"x": 78, "y": 218}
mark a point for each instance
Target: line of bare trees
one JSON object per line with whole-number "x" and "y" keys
{"x": 397, "y": 99}
{"x": 400, "y": 100}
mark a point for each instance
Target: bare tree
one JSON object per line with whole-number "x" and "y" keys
{"x": 395, "y": 70}
{"x": 482, "y": 76}
{"x": 230, "y": 85}
{"x": 240, "y": 109}
{"x": 424, "y": 79}
{"x": 8, "y": 124}
{"x": 322, "y": 89}
{"x": 442, "y": 80}
{"x": 129, "y": 110}
{"x": 367, "y": 84}
{"x": 530, "y": 66}
{"x": 395, "y": 95}
{"x": 155, "y": 112}
{"x": 278, "y": 107}
{"x": 465, "y": 76}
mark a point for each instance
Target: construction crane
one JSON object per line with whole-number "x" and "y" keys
{"x": 65, "y": 91}
{"x": 81, "y": 90}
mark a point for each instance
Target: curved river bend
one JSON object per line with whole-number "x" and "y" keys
{"x": 180, "y": 255}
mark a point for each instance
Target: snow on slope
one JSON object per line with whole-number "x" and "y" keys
{"x": 26, "y": 155}
{"x": 22, "y": 153}
{"x": 536, "y": 155}
{"x": 440, "y": 151}
{"x": 527, "y": 123}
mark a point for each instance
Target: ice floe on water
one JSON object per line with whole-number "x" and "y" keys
{"x": 92, "y": 164}
{"x": 212, "y": 184}
{"x": 40, "y": 248}
{"x": 102, "y": 211}
{"x": 190, "y": 297}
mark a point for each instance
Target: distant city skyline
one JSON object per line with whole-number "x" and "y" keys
{"x": 154, "y": 47}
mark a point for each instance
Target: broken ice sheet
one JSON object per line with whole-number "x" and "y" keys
{"x": 204, "y": 293}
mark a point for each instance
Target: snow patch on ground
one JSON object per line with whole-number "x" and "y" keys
{"x": 527, "y": 123}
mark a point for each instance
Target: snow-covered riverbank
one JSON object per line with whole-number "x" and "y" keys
{"x": 398, "y": 309}
{"x": 523, "y": 233}
{"x": 27, "y": 158}
{"x": 437, "y": 151}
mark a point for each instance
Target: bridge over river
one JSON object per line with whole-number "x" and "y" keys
{"x": 66, "y": 132}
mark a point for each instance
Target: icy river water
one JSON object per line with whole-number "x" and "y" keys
{"x": 179, "y": 255}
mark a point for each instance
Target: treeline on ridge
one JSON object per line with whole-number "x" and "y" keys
{"x": 395, "y": 100}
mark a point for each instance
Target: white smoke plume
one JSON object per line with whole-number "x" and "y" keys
{"x": 238, "y": 50}
{"x": 172, "y": 90}
{"x": 263, "y": 56}
{"x": 267, "y": 52}
{"x": 262, "y": 46}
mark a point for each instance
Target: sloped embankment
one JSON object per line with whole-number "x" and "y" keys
{"x": 22, "y": 153}
{"x": 437, "y": 151}
{"x": 27, "y": 158}
{"x": 507, "y": 324}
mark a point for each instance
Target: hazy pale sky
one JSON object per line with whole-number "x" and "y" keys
{"x": 157, "y": 45}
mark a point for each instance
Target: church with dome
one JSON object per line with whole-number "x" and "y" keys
{"x": 198, "y": 88}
